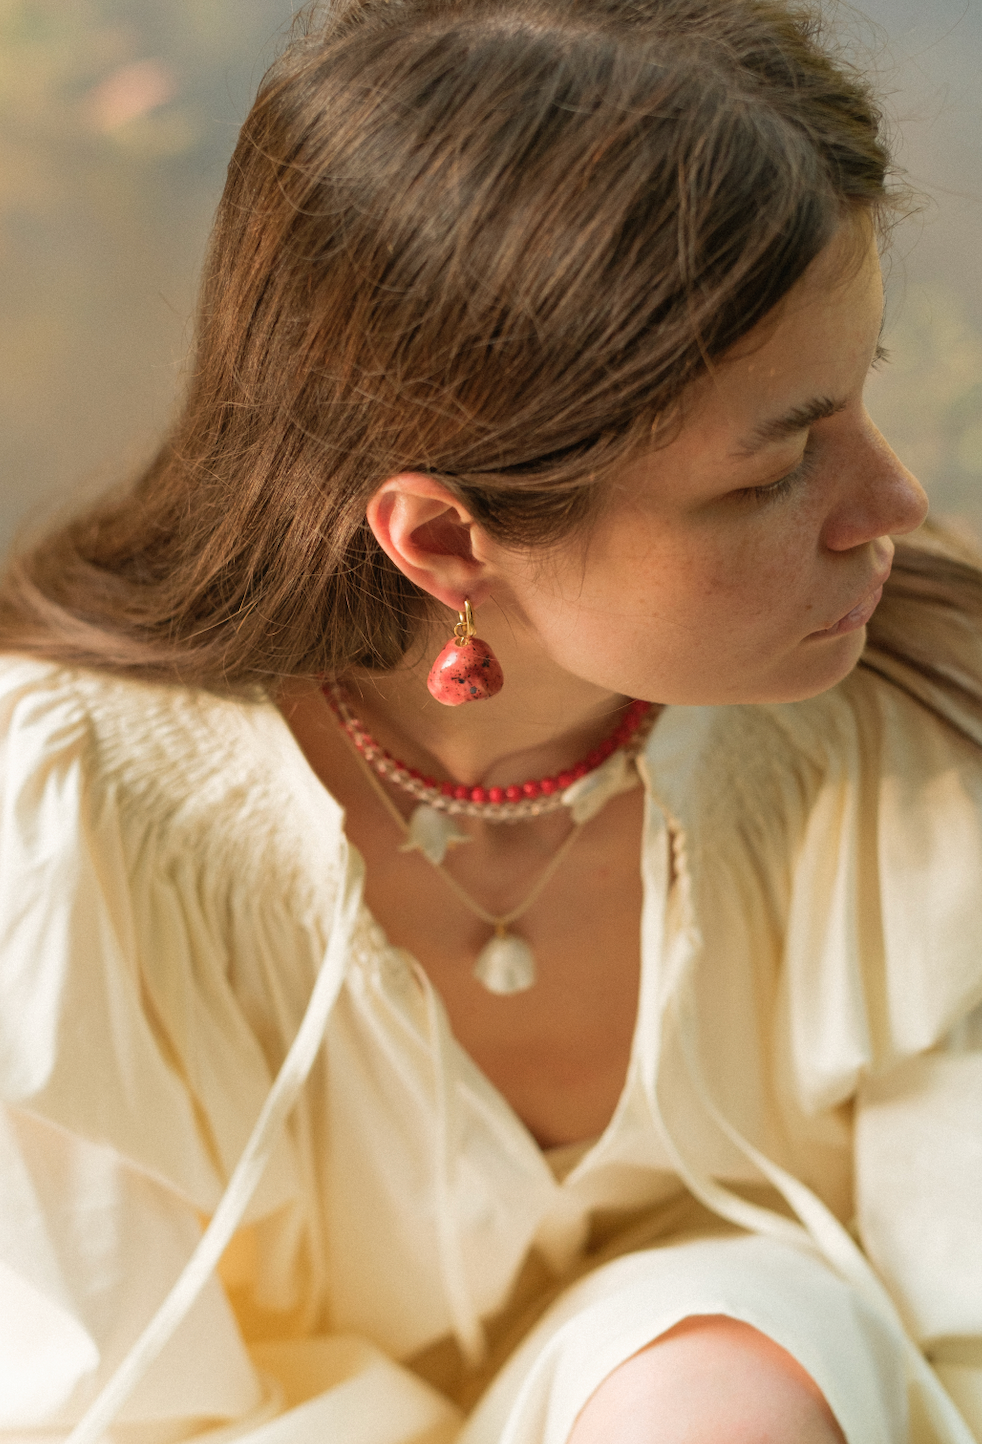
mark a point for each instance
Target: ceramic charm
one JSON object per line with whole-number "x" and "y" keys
{"x": 589, "y": 794}
{"x": 431, "y": 833}
{"x": 466, "y": 670}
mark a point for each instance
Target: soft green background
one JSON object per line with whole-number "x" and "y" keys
{"x": 116, "y": 121}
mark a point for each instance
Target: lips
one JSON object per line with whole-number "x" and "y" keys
{"x": 856, "y": 618}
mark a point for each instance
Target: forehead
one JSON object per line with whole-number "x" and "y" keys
{"x": 806, "y": 359}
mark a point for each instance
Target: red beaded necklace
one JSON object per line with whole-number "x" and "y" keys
{"x": 493, "y": 804}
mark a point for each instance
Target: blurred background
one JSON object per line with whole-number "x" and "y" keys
{"x": 117, "y": 118}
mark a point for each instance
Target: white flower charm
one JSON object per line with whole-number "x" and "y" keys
{"x": 505, "y": 965}
{"x": 431, "y": 833}
{"x": 589, "y": 794}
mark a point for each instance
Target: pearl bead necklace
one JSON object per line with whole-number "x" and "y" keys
{"x": 491, "y": 804}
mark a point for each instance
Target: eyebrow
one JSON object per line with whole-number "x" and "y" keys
{"x": 798, "y": 419}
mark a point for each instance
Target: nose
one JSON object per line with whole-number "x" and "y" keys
{"x": 879, "y": 497}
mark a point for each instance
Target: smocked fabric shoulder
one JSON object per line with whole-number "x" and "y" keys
{"x": 830, "y": 854}
{"x": 851, "y": 825}
{"x": 164, "y": 858}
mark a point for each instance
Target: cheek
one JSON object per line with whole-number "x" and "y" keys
{"x": 713, "y": 582}
{"x": 761, "y": 569}
{"x": 686, "y": 595}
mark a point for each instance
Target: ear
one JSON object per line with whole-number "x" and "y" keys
{"x": 432, "y": 538}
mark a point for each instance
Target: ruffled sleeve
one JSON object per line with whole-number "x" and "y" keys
{"x": 883, "y": 965}
{"x": 119, "y": 1021}
{"x": 132, "y": 935}
{"x": 831, "y": 855}
{"x": 106, "y": 1161}
{"x": 883, "y": 944}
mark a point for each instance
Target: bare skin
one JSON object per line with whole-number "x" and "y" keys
{"x": 710, "y": 1380}
{"x": 698, "y": 586}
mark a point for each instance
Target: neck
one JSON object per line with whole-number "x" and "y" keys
{"x": 542, "y": 720}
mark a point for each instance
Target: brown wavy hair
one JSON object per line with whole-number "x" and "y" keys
{"x": 489, "y": 240}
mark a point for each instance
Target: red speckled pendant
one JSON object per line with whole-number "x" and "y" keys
{"x": 466, "y": 670}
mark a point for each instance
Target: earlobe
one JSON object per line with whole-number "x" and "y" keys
{"x": 429, "y": 535}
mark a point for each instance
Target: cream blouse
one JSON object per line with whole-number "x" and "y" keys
{"x": 171, "y": 875}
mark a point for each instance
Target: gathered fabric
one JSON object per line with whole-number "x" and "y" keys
{"x": 805, "y": 1081}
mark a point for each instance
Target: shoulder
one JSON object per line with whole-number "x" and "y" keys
{"x": 168, "y": 864}
{"x": 852, "y": 824}
{"x": 172, "y": 762}
{"x": 888, "y": 878}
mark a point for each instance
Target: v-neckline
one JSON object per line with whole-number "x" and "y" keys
{"x": 647, "y": 981}
{"x": 515, "y": 1125}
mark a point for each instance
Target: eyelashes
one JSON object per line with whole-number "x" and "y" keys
{"x": 777, "y": 489}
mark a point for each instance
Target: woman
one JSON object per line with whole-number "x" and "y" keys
{"x": 556, "y": 315}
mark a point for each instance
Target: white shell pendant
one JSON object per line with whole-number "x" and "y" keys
{"x": 505, "y": 965}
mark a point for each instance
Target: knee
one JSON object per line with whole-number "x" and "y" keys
{"x": 710, "y": 1380}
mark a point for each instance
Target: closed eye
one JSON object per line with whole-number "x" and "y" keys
{"x": 785, "y": 484}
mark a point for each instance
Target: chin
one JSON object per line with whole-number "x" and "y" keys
{"x": 808, "y": 670}
{"x": 812, "y": 668}
{"x": 824, "y": 665}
